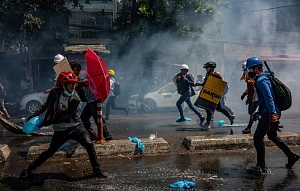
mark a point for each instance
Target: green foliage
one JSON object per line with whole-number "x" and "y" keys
{"x": 183, "y": 18}
{"x": 30, "y": 20}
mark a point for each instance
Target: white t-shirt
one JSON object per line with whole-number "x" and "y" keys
{"x": 63, "y": 104}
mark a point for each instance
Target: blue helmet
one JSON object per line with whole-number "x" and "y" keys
{"x": 253, "y": 61}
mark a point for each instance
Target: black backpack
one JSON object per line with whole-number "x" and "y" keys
{"x": 80, "y": 92}
{"x": 283, "y": 95}
{"x": 117, "y": 88}
{"x": 182, "y": 85}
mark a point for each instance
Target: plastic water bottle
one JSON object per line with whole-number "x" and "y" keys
{"x": 151, "y": 136}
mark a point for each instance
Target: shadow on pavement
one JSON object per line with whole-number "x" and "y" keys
{"x": 15, "y": 183}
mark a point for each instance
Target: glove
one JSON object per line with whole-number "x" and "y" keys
{"x": 274, "y": 121}
{"x": 255, "y": 116}
{"x": 243, "y": 96}
{"x": 198, "y": 84}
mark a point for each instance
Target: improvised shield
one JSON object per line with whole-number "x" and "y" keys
{"x": 211, "y": 93}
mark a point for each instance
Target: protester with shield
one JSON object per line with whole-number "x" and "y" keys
{"x": 61, "y": 107}
{"x": 210, "y": 71}
{"x": 86, "y": 95}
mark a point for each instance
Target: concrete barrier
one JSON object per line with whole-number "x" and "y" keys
{"x": 4, "y": 152}
{"x": 229, "y": 142}
{"x": 111, "y": 148}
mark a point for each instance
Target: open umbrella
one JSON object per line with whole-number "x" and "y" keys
{"x": 96, "y": 68}
{"x": 99, "y": 77}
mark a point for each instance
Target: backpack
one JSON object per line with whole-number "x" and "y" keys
{"x": 2, "y": 91}
{"x": 117, "y": 88}
{"x": 182, "y": 85}
{"x": 283, "y": 95}
{"x": 80, "y": 92}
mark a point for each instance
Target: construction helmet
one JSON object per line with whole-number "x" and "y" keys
{"x": 244, "y": 68}
{"x": 58, "y": 58}
{"x": 253, "y": 61}
{"x": 211, "y": 64}
{"x": 184, "y": 67}
{"x": 66, "y": 77}
{"x": 111, "y": 72}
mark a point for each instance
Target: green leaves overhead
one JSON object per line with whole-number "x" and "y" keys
{"x": 185, "y": 17}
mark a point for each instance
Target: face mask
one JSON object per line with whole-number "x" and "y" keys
{"x": 68, "y": 94}
{"x": 246, "y": 72}
{"x": 251, "y": 74}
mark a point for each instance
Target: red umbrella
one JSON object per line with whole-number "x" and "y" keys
{"x": 99, "y": 85}
{"x": 96, "y": 68}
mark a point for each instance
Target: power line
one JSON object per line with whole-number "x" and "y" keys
{"x": 272, "y": 8}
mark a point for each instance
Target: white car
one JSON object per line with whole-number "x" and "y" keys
{"x": 31, "y": 102}
{"x": 165, "y": 97}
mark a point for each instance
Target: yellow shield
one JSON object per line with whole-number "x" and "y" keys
{"x": 211, "y": 93}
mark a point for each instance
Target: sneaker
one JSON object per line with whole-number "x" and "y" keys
{"x": 25, "y": 174}
{"x": 205, "y": 127}
{"x": 258, "y": 171}
{"x": 292, "y": 161}
{"x": 180, "y": 119}
{"x": 231, "y": 118}
{"x": 108, "y": 138}
{"x": 246, "y": 131}
{"x": 201, "y": 120}
{"x": 94, "y": 137}
{"x": 99, "y": 174}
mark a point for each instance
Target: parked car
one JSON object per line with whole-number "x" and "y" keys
{"x": 165, "y": 97}
{"x": 31, "y": 102}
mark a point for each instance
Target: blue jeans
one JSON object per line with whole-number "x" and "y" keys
{"x": 186, "y": 98}
{"x": 263, "y": 128}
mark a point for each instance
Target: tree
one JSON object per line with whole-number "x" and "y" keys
{"x": 29, "y": 20}
{"x": 183, "y": 18}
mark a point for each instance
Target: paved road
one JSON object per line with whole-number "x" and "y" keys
{"x": 210, "y": 170}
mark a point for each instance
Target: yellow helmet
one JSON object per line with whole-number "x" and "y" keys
{"x": 111, "y": 72}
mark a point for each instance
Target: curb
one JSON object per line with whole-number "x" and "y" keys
{"x": 230, "y": 142}
{"x": 111, "y": 148}
{"x": 4, "y": 152}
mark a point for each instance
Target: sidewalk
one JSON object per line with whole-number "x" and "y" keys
{"x": 154, "y": 147}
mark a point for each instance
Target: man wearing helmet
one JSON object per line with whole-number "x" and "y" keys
{"x": 210, "y": 71}
{"x": 61, "y": 107}
{"x": 270, "y": 115}
{"x": 184, "y": 83}
{"x": 111, "y": 102}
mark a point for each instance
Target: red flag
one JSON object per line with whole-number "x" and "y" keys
{"x": 96, "y": 68}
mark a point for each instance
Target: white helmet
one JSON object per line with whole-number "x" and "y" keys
{"x": 244, "y": 68}
{"x": 184, "y": 67}
{"x": 58, "y": 58}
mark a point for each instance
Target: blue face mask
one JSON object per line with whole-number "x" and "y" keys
{"x": 68, "y": 94}
{"x": 246, "y": 72}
